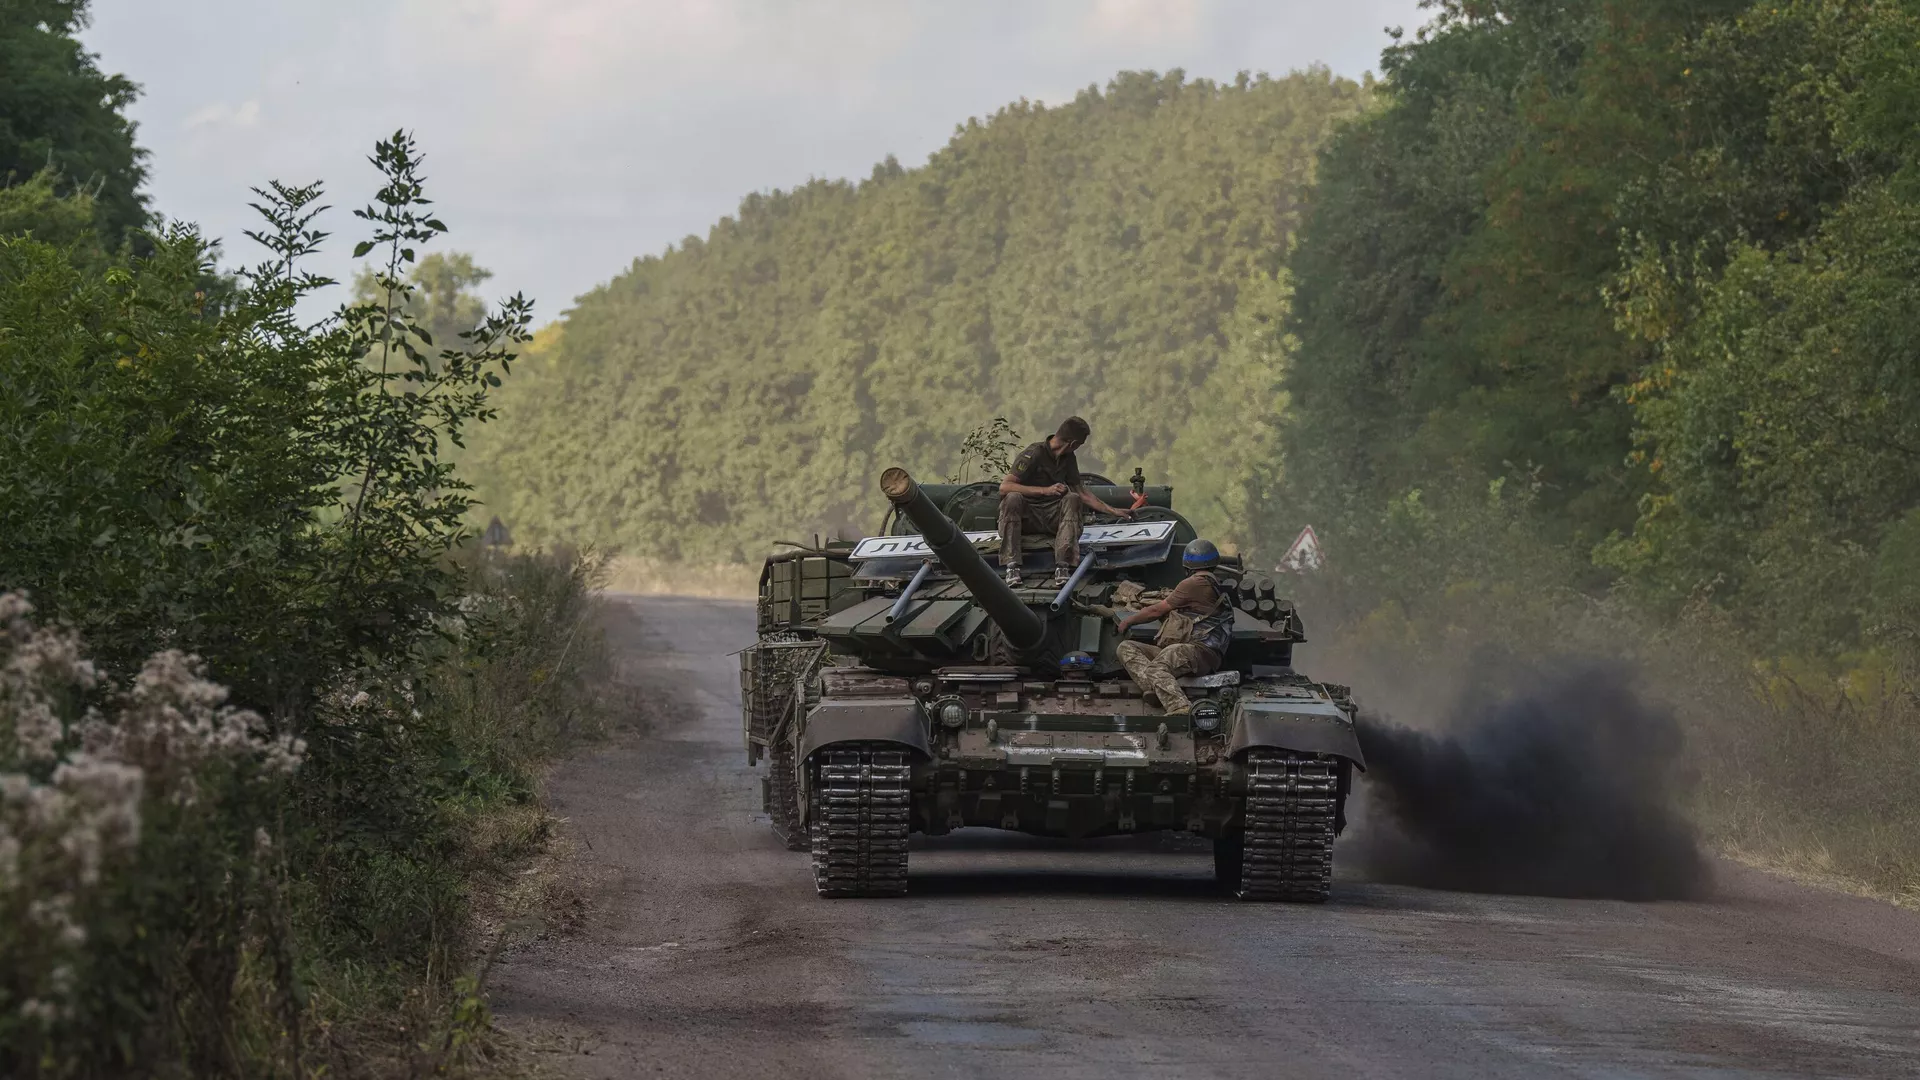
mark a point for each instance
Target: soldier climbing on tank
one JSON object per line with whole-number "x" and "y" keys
{"x": 1196, "y": 623}
{"x": 1044, "y": 492}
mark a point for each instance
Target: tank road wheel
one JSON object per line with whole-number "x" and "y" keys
{"x": 783, "y": 798}
{"x": 860, "y": 820}
{"x": 1285, "y": 851}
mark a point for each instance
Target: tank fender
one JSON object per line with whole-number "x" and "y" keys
{"x": 893, "y": 719}
{"x": 1307, "y": 727}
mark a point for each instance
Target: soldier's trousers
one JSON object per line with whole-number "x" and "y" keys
{"x": 1158, "y": 669}
{"x": 1059, "y": 515}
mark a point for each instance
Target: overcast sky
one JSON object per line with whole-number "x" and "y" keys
{"x": 566, "y": 137}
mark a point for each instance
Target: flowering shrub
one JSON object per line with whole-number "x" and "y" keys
{"x": 83, "y": 766}
{"x": 211, "y": 492}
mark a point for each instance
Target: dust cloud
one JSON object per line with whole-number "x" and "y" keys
{"x": 1568, "y": 786}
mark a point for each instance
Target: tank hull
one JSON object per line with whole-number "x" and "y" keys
{"x": 1068, "y": 758}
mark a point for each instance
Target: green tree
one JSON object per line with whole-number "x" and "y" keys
{"x": 440, "y": 299}
{"x": 1646, "y": 255}
{"x": 228, "y": 481}
{"x": 1083, "y": 259}
{"x": 68, "y": 222}
{"x": 60, "y": 113}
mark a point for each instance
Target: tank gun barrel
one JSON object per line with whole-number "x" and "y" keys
{"x": 1023, "y": 628}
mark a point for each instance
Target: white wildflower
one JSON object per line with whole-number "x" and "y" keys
{"x": 36, "y": 731}
{"x": 104, "y": 810}
{"x": 14, "y": 608}
{"x": 51, "y": 912}
{"x": 360, "y": 700}
{"x": 59, "y": 836}
{"x": 283, "y": 755}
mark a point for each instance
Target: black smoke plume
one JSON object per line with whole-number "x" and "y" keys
{"x": 1569, "y": 790}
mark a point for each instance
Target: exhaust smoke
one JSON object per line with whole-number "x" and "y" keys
{"x": 1570, "y": 789}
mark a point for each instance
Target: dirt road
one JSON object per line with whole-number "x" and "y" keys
{"x": 708, "y": 954}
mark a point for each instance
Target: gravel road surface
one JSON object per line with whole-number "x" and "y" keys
{"x": 707, "y": 954}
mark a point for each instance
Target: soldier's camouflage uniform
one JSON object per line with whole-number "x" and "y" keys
{"x": 1158, "y": 669}
{"x": 1038, "y": 466}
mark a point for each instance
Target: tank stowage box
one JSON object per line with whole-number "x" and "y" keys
{"x": 898, "y": 685}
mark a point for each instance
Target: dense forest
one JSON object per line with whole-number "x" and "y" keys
{"x": 1604, "y": 346}
{"x": 1644, "y": 268}
{"x": 1652, "y": 264}
{"x": 1120, "y": 257}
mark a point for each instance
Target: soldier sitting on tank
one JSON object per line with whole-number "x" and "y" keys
{"x": 1196, "y": 623}
{"x": 1044, "y": 493}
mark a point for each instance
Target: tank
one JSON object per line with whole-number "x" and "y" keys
{"x": 899, "y": 686}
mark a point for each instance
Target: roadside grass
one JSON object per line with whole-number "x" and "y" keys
{"x": 521, "y": 679}
{"x": 1819, "y": 783}
{"x": 1805, "y": 767}
{"x": 531, "y": 680}
{"x": 646, "y": 576}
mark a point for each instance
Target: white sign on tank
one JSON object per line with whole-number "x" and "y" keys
{"x": 1117, "y": 534}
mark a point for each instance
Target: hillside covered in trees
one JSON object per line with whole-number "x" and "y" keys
{"x": 1635, "y": 278}
{"x": 1655, "y": 265}
{"x": 1120, "y": 257}
{"x": 1604, "y": 345}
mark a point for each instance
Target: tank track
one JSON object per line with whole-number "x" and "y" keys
{"x": 1286, "y": 849}
{"x": 860, "y": 820}
{"x": 783, "y": 802}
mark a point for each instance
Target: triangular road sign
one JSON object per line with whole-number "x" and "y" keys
{"x": 1304, "y": 554}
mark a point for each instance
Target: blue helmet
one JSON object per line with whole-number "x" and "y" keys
{"x": 1200, "y": 555}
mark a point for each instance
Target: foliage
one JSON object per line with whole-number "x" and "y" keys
{"x": 430, "y": 806}
{"x": 441, "y": 300}
{"x": 1087, "y": 258}
{"x": 987, "y": 451}
{"x": 218, "y": 480}
{"x": 61, "y": 115}
{"x": 64, "y": 221}
{"x": 1648, "y": 264}
{"x": 134, "y": 855}
{"x": 1654, "y": 255}
{"x": 271, "y": 494}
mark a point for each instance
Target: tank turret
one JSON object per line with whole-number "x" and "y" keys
{"x": 1025, "y": 631}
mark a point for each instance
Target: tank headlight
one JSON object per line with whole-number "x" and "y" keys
{"x": 952, "y": 714}
{"x": 1206, "y": 717}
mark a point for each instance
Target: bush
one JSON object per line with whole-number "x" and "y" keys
{"x": 134, "y": 851}
{"x": 212, "y": 494}
{"x": 420, "y": 797}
